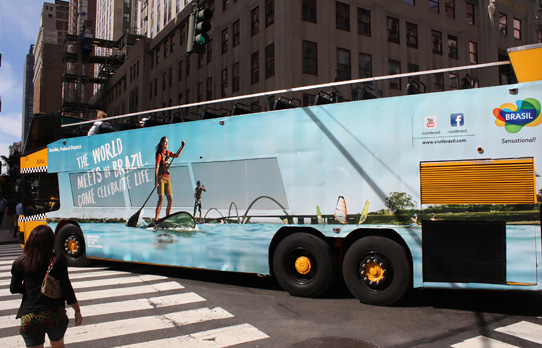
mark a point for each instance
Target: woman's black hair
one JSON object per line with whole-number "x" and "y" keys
{"x": 38, "y": 250}
{"x": 159, "y": 146}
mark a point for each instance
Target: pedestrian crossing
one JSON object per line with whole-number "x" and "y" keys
{"x": 127, "y": 310}
{"x": 525, "y": 330}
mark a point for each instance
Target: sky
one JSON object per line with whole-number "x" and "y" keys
{"x": 19, "y": 23}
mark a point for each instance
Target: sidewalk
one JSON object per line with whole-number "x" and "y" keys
{"x": 5, "y": 234}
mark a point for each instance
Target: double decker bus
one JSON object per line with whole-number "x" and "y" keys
{"x": 435, "y": 190}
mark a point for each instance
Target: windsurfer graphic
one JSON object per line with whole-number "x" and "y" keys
{"x": 163, "y": 182}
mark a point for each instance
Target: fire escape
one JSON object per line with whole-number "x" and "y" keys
{"x": 88, "y": 64}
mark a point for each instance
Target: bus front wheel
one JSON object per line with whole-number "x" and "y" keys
{"x": 376, "y": 270}
{"x": 70, "y": 242}
{"x": 304, "y": 265}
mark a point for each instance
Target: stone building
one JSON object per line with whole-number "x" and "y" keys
{"x": 266, "y": 45}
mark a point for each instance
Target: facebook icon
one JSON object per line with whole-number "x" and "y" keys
{"x": 457, "y": 120}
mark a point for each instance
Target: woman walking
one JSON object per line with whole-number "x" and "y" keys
{"x": 40, "y": 314}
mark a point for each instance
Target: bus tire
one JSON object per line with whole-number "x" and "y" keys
{"x": 304, "y": 265}
{"x": 376, "y": 270}
{"x": 70, "y": 242}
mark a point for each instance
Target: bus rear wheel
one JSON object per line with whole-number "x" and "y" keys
{"x": 376, "y": 270}
{"x": 304, "y": 265}
{"x": 70, "y": 242}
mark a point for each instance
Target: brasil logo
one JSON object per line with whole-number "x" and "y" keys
{"x": 526, "y": 113}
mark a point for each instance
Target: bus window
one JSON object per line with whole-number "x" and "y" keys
{"x": 40, "y": 193}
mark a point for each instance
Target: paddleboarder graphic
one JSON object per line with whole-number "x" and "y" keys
{"x": 162, "y": 179}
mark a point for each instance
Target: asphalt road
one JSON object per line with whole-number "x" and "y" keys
{"x": 148, "y": 306}
{"x": 426, "y": 318}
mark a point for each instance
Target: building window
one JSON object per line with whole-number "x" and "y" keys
{"x": 413, "y": 68}
{"x": 224, "y": 40}
{"x": 308, "y": 10}
{"x": 517, "y": 29}
{"x": 255, "y": 21}
{"x": 344, "y": 68}
{"x": 342, "y": 16}
{"x": 473, "y": 52}
{"x": 452, "y": 47}
{"x": 155, "y": 87}
{"x": 412, "y": 35}
{"x": 365, "y": 65}
{"x": 236, "y": 28}
{"x": 224, "y": 83}
{"x": 393, "y": 30}
{"x": 187, "y": 66}
{"x": 269, "y": 12}
{"x": 163, "y": 81}
{"x": 157, "y": 55}
{"x": 209, "y": 51}
{"x": 454, "y": 81}
{"x": 438, "y": 82}
{"x": 209, "y": 88}
{"x": 166, "y": 47}
{"x": 449, "y": 8}
{"x": 182, "y": 37}
{"x": 364, "y": 22}
{"x": 235, "y": 77}
{"x": 436, "y": 40}
{"x": 503, "y": 21}
{"x": 255, "y": 68}
{"x": 434, "y": 6}
{"x": 180, "y": 70}
{"x": 225, "y": 5}
{"x": 470, "y": 13}
{"x": 270, "y": 61}
{"x": 172, "y": 43}
{"x": 394, "y": 68}
{"x": 152, "y": 59}
{"x": 170, "y": 77}
{"x": 310, "y": 58}
{"x": 200, "y": 91}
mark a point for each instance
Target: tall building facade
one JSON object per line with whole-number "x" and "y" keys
{"x": 265, "y": 45}
{"x": 28, "y": 93}
{"x": 48, "y": 51}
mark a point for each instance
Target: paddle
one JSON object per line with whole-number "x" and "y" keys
{"x": 132, "y": 222}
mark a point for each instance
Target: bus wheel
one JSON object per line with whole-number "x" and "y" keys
{"x": 304, "y": 265}
{"x": 376, "y": 271}
{"x": 70, "y": 242}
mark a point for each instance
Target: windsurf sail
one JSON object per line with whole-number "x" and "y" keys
{"x": 364, "y": 213}
{"x": 175, "y": 221}
{"x": 340, "y": 210}
{"x": 319, "y": 216}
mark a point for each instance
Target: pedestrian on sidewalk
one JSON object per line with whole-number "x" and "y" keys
{"x": 11, "y": 212}
{"x": 3, "y": 204}
{"x": 40, "y": 314}
{"x": 18, "y": 212}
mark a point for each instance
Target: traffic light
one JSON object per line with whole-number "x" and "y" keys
{"x": 198, "y": 26}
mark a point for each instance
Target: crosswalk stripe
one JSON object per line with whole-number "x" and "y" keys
{"x": 77, "y": 275}
{"x": 126, "y": 306}
{"x": 85, "y": 333}
{"x": 524, "y": 330}
{"x": 482, "y": 342}
{"x": 223, "y": 337}
{"x": 103, "y": 282}
{"x": 101, "y": 294}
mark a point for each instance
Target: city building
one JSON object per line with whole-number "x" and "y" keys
{"x": 28, "y": 92}
{"x": 265, "y": 45}
{"x": 48, "y": 50}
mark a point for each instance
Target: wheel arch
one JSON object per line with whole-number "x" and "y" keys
{"x": 369, "y": 232}
{"x": 63, "y": 223}
{"x": 289, "y": 230}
